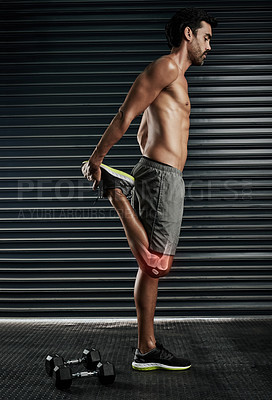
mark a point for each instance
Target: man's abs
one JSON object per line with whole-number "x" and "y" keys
{"x": 164, "y": 138}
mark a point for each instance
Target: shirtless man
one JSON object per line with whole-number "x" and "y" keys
{"x": 152, "y": 223}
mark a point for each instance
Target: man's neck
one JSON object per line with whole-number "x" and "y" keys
{"x": 180, "y": 56}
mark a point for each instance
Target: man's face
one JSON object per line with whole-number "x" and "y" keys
{"x": 200, "y": 44}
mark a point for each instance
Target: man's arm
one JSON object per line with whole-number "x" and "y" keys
{"x": 143, "y": 92}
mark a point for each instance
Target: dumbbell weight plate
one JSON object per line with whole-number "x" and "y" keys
{"x": 106, "y": 373}
{"x": 51, "y": 362}
{"x": 91, "y": 359}
{"x": 62, "y": 377}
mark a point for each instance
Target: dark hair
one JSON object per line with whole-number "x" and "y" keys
{"x": 191, "y": 17}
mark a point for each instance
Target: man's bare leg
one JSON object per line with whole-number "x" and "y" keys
{"x": 145, "y": 296}
{"x": 146, "y": 287}
{"x": 153, "y": 263}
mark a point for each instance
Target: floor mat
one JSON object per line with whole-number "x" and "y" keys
{"x": 231, "y": 359}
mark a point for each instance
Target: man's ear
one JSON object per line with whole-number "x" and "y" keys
{"x": 188, "y": 33}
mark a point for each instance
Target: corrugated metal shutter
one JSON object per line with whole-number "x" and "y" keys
{"x": 66, "y": 67}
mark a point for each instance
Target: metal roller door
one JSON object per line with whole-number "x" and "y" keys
{"x": 65, "y": 69}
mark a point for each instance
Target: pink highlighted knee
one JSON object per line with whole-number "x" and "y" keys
{"x": 153, "y": 263}
{"x": 154, "y": 271}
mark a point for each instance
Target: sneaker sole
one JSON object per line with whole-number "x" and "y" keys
{"x": 118, "y": 174}
{"x": 152, "y": 366}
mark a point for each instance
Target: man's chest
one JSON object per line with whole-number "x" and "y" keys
{"x": 177, "y": 94}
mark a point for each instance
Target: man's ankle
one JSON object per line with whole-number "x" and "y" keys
{"x": 144, "y": 350}
{"x": 147, "y": 346}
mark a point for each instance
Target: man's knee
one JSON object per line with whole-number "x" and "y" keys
{"x": 158, "y": 270}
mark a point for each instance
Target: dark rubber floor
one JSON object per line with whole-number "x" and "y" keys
{"x": 231, "y": 359}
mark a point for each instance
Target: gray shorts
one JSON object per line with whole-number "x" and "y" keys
{"x": 158, "y": 198}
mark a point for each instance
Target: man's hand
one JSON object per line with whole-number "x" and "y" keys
{"x": 91, "y": 170}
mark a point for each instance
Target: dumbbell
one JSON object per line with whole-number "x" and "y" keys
{"x": 90, "y": 359}
{"x": 63, "y": 376}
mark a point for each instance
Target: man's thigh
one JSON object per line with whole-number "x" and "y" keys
{"x": 158, "y": 200}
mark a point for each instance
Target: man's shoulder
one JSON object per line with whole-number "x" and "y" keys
{"x": 163, "y": 65}
{"x": 165, "y": 61}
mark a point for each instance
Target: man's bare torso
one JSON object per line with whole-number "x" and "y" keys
{"x": 164, "y": 129}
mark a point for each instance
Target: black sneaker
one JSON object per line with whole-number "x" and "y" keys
{"x": 159, "y": 358}
{"x": 112, "y": 178}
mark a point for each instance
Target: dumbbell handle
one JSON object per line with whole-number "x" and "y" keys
{"x": 84, "y": 374}
{"x": 75, "y": 361}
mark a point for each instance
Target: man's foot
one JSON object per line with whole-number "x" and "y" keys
{"x": 159, "y": 358}
{"x": 112, "y": 178}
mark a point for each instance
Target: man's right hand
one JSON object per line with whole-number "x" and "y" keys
{"x": 91, "y": 170}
